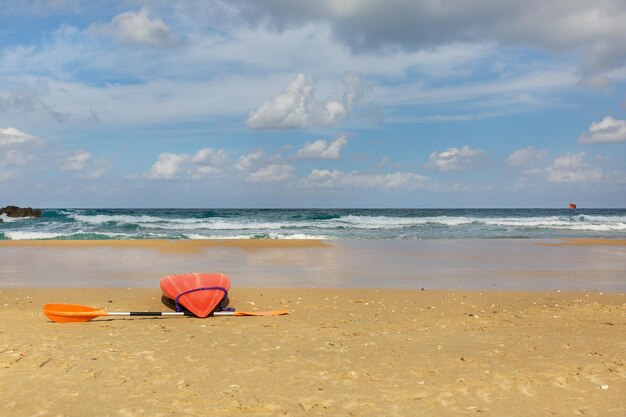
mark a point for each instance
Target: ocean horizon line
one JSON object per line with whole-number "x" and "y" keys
{"x": 331, "y": 208}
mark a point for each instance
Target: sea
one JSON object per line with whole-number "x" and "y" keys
{"x": 341, "y": 224}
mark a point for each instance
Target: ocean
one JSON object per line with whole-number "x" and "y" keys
{"x": 339, "y": 224}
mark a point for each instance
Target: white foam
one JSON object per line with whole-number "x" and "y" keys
{"x": 297, "y": 236}
{"x": 7, "y": 219}
{"x": 581, "y": 223}
{"x": 105, "y": 218}
{"x": 603, "y": 224}
{"x": 351, "y": 222}
{"x": 195, "y": 236}
{"x": 383, "y": 222}
{"x": 19, "y": 235}
{"x": 301, "y": 236}
{"x": 29, "y": 235}
{"x": 603, "y": 219}
{"x": 594, "y": 227}
{"x": 221, "y": 225}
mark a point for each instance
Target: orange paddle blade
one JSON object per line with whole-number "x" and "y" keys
{"x": 261, "y": 313}
{"x": 67, "y": 313}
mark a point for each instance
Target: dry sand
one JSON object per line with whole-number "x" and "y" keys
{"x": 340, "y": 352}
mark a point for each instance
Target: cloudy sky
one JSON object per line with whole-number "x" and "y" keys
{"x": 276, "y": 103}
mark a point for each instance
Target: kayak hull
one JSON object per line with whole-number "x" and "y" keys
{"x": 199, "y": 293}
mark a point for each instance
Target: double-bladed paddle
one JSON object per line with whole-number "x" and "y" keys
{"x": 67, "y": 313}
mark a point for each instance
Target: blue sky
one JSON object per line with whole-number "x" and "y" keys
{"x": 273, "y": 103}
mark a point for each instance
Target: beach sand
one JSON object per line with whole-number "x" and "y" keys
{"x": 340, "y": 352}
{"x": 474, "y": 350}
{"x": 499, "y": 264}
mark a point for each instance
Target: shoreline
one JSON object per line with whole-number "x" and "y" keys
{"x": 169, "y": 246}
{"x": 195, "y": 245}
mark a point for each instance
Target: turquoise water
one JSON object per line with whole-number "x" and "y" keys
{"x": 316, "y": 224}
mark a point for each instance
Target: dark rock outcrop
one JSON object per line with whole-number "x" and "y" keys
{"x": 14, "y": 211}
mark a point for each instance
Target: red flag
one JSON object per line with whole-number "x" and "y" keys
{"x": 572, "y": 205}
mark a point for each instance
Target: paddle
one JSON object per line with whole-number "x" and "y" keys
{"x": 67, "y": 313}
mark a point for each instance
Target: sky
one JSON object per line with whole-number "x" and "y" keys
{"x": 276, "y": 103}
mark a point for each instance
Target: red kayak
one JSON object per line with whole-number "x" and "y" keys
{"x": 198, "y": 293}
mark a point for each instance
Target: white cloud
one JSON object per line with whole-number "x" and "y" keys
{"x": 96, "y": 169}
{"x": 455, "y": 159}
{"x": 209, "y": 156}
{"x": 76, "y": 161}
{"x": 258, "y": 167}
{"x": 572, "y": 168}
{"x": 323, "y": 149}
{"x": 250, "y": 161}
{"x": 271, "y": 173}
{"x": 204, "y": 163}
{"x": 205, "y": 171}
{"x": 323, "y": 178}
{"x": 16, "y": 158}
{"x": 19, "y": 151}
{"x": 82, "y": 162}
{"x": 137, "y": 27}
{"x": 355, "y": 90}
{"x": 12, "y": 136}
{"x": 608, "y": 130}
{"x": 207, "y": 161}
{"x": 526, "y": 157}
{"x": 297, "y": 107}
{"x": 167, "y": 166}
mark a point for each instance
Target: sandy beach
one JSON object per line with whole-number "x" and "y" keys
{"x": 339, "y": 352}
{"x": 474, "y": 350}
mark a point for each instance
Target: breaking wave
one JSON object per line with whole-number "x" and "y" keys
{"x": 315, "y": 224}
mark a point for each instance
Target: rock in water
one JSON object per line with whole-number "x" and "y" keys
{"x": 14, "y": 211}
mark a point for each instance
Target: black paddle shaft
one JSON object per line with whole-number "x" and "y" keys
{"x": 151, "y": 313}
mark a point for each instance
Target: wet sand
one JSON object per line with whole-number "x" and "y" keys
{"x": 503, "y": 264}
{"x": 341, "y": 352}
{"x": 516, "y": 328}
{"x": 167, "y": 246}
